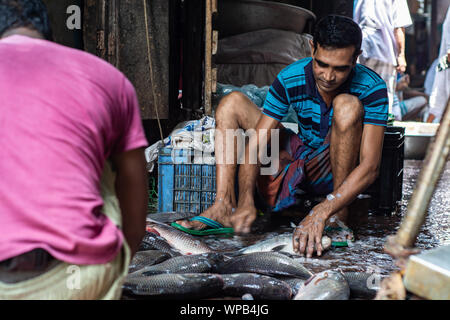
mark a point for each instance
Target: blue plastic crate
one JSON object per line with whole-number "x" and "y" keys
{"x": 184, "y": 186}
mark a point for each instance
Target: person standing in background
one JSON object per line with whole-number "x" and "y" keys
{"x": 383, "y": 24}
{"x": 440, "y": 91}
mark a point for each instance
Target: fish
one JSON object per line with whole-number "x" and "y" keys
{"x": 168, "y": 217}
{"x": 282, "y": 243}
{"x": 267, "y": 263}
{"x": 147, "y": 258}
{"x": 153, "y": 241}
{"x": 174, "y": 286}
{"x": 326, "y": 285}
{"x": 363, "y": 283}
{"x": 183, "y": 242}
{"x": 199, "y": 263}
{"x": 294, "y": 283}
{"x": 258, "y": 286}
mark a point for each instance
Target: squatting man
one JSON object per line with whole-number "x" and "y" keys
{"x": 342, "y": 110}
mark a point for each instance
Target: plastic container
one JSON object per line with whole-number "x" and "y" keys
{"x": 185, "y": 184}
{"x": 386, "y": 191}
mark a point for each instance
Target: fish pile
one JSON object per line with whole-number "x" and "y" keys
{"x": 171, "y": 264}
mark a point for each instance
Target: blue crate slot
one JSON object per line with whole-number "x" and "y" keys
{"x": 182, "y": 185}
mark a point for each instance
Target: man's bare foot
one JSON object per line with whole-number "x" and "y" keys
{"x": 243, "y": 218}
{"x": 219, "y": 211}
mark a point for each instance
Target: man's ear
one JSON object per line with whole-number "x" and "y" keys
{"x": 357, "y": 56}
{"x": 311, "y": 44}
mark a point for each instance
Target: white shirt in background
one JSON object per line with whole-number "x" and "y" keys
{"x": 378, "y": 19}
{"x": 441, "y": 86}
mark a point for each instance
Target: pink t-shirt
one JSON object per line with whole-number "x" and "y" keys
{"x": 62, "y": 113}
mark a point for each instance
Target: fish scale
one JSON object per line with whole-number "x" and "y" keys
{"x": 181, "y": 241}
{"x": 152, "y": 241}
{"x": 147, "y": 258}
{"x": 282, "y": 243}
{"x": 267, "y": 263}
{"x": 183, "y": 264}
{"x": 259, "y": 286}
{"x": 188, "y": 285}
{"x": 327, "y": 285}
{"x": 360, "y": 283}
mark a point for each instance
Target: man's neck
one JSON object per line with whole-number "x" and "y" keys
{"x": 23, "y": 31}
{"x": 327, "y": 97}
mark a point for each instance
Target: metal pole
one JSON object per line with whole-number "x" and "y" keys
{"x": 429, "y": 176}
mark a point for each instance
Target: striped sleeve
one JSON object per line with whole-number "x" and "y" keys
{"x": 376, "y": 104}
{"x": 276, "y": 104}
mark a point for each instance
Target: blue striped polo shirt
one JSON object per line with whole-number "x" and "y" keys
{"x": 295, "y": 86}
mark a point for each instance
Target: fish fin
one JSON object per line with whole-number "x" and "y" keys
{"x": 231, "y": 254}
{"x": 278, "y": 248}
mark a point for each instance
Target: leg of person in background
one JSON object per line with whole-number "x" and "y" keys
{"x": 439, "y": 96}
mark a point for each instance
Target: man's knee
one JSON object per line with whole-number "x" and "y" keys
{"x": 347, "y": 112}
{"x": 228, "y": 104}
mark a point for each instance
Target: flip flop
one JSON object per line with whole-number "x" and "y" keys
{"x": 214, "y": 227}
{"x": 339, "y": 243}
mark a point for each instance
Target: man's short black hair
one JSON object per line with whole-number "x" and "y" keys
{"x": 24, "y": 13}
{"x": 334, "y": 31}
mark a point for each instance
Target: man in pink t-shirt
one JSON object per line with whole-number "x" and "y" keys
{"x": 64, "y": 112}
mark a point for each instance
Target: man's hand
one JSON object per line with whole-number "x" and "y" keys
{"x": 308, "y": 234}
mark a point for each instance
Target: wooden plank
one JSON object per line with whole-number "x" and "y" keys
{"x": 215, "y": 41}
{"x": 113, "y": 33}
{"x": 114, "y": 30}
{"x": 193, "y": 16}
{"x": 214, "y": 80}
{"x": 208, "y": 58}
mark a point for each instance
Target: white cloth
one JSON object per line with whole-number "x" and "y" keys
{"x": 408, "y": 106}
{"x": 197, "y": 135}
{"x": 377, "y": 20}
{"x": 429, "y": 78}
{"x": 441, "y": 86}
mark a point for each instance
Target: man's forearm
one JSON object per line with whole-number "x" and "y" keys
{"x": 132, "y": 193}
{"x": 358, "y": 181}
{"x": 399, "y": 34}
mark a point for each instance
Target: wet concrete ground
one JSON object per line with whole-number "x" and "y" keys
{"x": 366, "y": 254}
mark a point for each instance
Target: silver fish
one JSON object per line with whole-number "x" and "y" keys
{"x": 198, "y": 263}
{"x": 181, "y": 241}
{"x": 175, "y": 286}
{"x": 363, "y": 284}
{"x": 282, "y": 242}
{"x": 327, "y": 285}
{"x": 268, "y": 263}
{"x": 147, "y": 258}
{"x": 153, "y": 241}
{"x": 168, "y": 217}
{"x": 259, "y": 286}
{"x": 294, "y": 283}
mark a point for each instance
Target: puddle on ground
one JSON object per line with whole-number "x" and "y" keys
{"x": 366, "y": 254}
